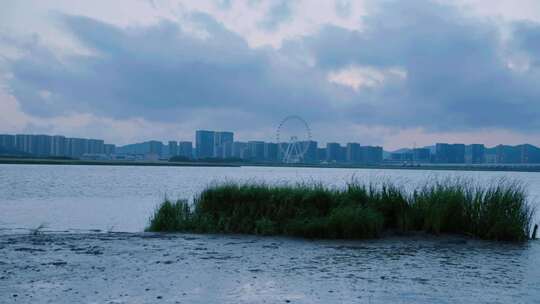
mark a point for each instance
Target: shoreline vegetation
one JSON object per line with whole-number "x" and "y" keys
{"x": 211, "y": 163}
{"x": 498, "y": 212}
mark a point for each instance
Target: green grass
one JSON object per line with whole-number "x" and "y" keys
{"x": 171, "y": 216}
{"x": 496, "y": 212}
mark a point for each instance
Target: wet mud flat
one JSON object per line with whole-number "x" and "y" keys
{"x": 189, "y": 268}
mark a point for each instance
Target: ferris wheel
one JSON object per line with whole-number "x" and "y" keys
{"x": 293, "y": 137}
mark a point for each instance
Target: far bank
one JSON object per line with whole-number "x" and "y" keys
{"x": 453, "y": 167}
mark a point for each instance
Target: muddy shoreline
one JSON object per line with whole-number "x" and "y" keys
{"x": 189, "y": 268}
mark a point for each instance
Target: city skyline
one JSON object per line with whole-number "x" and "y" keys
{"x": 355, "y": 70}
{"x": 221, "y": 145}
{"x": 194, "y": 137}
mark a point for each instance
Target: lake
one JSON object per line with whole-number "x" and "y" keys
{"x": 121, "y": 198}
{"x": 78, "y": 266}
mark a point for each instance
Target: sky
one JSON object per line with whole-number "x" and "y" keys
{"x": 390, "y": 73}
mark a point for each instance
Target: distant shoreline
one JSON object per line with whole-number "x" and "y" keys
{"x": 495, "y": 167}
{"x": 44, "y": 161}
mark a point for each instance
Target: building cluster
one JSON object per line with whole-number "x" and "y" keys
{"x": 154, "y": 150}
{"x": 57, "y": 145}
{"x": 216, "y": 145}
{"x": 221, "y": 145}
{"x": 444, "y": 153}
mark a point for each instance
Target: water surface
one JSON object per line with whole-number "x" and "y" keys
{"x": 82, "y": 267}
{"x": 120, "y": 198}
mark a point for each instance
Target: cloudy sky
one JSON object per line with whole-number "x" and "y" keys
{"x": 391, "y": 73}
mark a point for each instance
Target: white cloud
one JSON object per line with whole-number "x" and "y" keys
{"x": 519, "y": 63}
{"x": 12, "y": 119}
{"x": 359, "y": 77}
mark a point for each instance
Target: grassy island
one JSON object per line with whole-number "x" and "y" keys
{"x": 496, "y": 212}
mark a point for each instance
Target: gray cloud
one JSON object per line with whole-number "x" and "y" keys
{"x": 279, "y": 12}
{"x": 162, "y": 73}
{"x": 457, "y": 75}
{"x": 527, "y": 38}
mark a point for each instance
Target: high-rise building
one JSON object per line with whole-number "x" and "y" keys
{"x": 58, "y": 145}
{"x": 95, "y": 146}
{"x": 450, "y": 153}
{"x": 353, "y": 153}
{"x": 371, "y": 155}
{"x": 185, "y": 148}
{"x": 109, "y": 149}
{"x": 333, "y": 152}
{"x": 508, "y": 154}
{"x": 214, "y": 144}
{"x": 442, "y": 153}
{"x": 321, "y": 154}
{"x": 342, "y": 154}
{"x": 256, "y": 150}
{"x": 67, "y": 147}
{"x": 33, "y": 144}
{"x": 204, "y": 143}
{"x": 529, "y": 154}
{"x": 475, "y": 154}
{"x": 490, "y": 155}
{"x": 271, "y": 152}
{"x": 173, "y": 148}
{"x": 402, "y": 156}
{"x": 311, "y": 151}
{"x": 76, "y": 147}
{"x": 23, "y": 143}
{"x": 240, "y": 150}
{"x": 226, "y": 150}
{"x": 459, "y": 153}
{"x": 223, "y": 144}
{"x": 7, "y": 141}
{"x": 156, "y": 147}
{"x": 421, "y": 155}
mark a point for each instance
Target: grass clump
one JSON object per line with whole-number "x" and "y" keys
{"x": 171, "y": 216}
{"x": 496, "y": 212}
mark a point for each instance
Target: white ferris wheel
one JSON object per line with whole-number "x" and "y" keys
{"x": 293, "y": 137}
